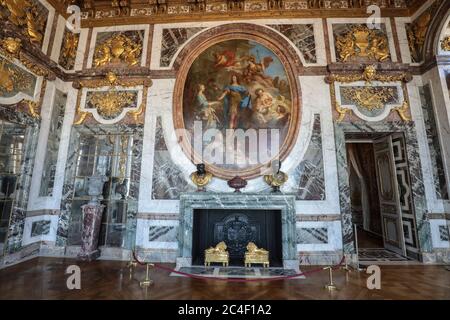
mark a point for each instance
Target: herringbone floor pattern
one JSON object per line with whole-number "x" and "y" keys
{"x": 45, "y": 278}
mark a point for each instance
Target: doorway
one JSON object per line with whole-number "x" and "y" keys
{"x": 381, "y": 197}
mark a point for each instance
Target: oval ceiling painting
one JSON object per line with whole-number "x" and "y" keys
{"x": 237, "y": 100}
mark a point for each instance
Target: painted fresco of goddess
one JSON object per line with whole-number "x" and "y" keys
{"x": 236, "y": 99}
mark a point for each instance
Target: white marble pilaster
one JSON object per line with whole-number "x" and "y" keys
{"x": 53, "y": 202}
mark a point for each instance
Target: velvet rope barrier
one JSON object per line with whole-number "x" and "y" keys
{"x": 198, "y": 277}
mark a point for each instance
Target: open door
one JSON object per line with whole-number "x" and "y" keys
{"x": 391, "y": 214}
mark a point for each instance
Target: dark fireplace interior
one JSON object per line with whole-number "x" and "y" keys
{"x": 237, "y": 228}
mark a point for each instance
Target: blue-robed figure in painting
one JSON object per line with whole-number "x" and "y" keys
{"x": 236, "y": 98}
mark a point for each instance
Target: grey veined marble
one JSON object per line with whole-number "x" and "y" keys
{"x": 302, "y": 35}
{"x": 309, "y": 174}
{"x": 168, "y": 181}
{"x": 172, "y": 39}
{"x": 242, "y": 201}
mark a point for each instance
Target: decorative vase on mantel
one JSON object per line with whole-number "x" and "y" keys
{"x": 237, "y": 183}
{"x": 92, "y": 219}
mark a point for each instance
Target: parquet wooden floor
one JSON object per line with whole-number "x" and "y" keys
{"x": 45, "y": 278}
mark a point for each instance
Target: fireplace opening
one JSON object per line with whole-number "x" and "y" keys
{"x": 237, "y": 228}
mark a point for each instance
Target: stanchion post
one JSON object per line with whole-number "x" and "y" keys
{"x": 131, "y": 264}
{"x": 147, "y": 281}
{"x": 331, "y": 286}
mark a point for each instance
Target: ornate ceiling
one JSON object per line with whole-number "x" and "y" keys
{"x": 105, "y": 12}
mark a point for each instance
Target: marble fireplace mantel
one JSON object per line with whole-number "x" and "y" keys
{"x": 263, "y": 201}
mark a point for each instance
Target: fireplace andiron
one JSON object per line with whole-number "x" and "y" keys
{"x": 218, "y": 254}
{"x": 256, "y": 255}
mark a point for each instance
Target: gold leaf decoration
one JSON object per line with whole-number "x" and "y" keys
{"x": 445, "y": 45}
{"x": 69, "y": 50}
{"x": 369, "y": 98}
{"x": 13, "y": 79}
{"x": 110, "y": 104}
{"x": 12, "y": 49}
{"x": 369, "y": 74}
{"x": 28, "y": 16}
{"x": 118, "y": 49}
{"x": 362, "y": 42}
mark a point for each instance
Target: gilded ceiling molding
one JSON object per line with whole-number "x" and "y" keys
{"x": 101, "y": 13}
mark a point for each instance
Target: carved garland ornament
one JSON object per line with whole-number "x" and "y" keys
{"x": 362, "y": 42}
{"x": 118, "y": 49}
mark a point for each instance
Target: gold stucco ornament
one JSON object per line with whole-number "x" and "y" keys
{"x": 369, "y": 98}
{"x": 110, "y": 104}
{"x": 11, "y": 45}
{"x": 362, "y": 42}
{"x": 118, "y": 49}
{"x": 26, "y": 15}
{"x": 201, "y": 177}
{"x": 6, "y": 78}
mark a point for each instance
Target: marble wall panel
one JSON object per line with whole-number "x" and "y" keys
{"x": 168, "y": 181}
{"x": 309, "y": 174}
{"x": 172, "y": 39}
{"x": 432, "y": 132}
{"x": 312, "y": 235}
{"x": 302, "y": 36}
{"x": 39, "y": 228}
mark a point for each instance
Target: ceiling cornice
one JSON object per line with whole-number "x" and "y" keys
{"x": 107, "y": 13}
